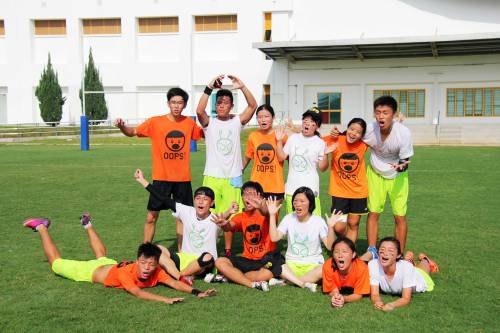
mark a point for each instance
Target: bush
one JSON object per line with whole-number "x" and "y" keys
{"x": 49, "y": 96}
{"x": 95, "y": 104}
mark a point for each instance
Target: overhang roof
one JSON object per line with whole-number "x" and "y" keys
{"x": 379, "y": 48}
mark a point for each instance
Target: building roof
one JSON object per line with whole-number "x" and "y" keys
{"x": 379, "y": 48}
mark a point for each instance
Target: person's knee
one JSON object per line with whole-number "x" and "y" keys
{"x": 400, "y": 220}
{"x": 222, "y": 262}
{"x": 206, "y": 260}
{"x": 164, "y": 251}
{"x": 151, "y": 218}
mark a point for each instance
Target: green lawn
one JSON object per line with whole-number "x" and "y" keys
{"x": 453, "y": 216}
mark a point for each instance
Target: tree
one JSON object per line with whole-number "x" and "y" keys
{"x": 49, "y": 96}
{"x": 95, "y": 104}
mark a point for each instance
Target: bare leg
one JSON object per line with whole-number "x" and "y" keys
{"x": 168, "y": 264}
{"x": 400, "y": 229}
{"x": 150, "y": 226}
{"x": 287, "y": 274}
{"x": 228, "y": 240}
{"x": 49, "y": 247}
{"x": 352, "y": 226}
{"x": 225, "y": 266}
{"x": 179, "y": 231}
{"x": 260, "y": 275}
{"x": 95, "y": 242}
{"x": 424, "y": 265}
{"x": 314, "y": 275}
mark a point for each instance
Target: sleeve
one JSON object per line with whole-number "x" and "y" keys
{"x": 169, "y": 202}
{"x": 373, "y": 270}
{"x": 406, "y": 150}
{"x": 162, "y": 276}
{"x": 144, "y": 129}
{"x": 409, "y": 275}
{"x": 250, "y": 150}
{"x": 237, "y": 219}
{"x": 328, "y": 139}
{"x": 321, "y": 151}
{"x": 369, "y": 136}
{"x": 197, "y": 132}
{"x": 287, "y": 146}
{"x": 323, "y": 229}
{"x": 126, "y": 280}
{"x": 328, "y": 280}
{"x": 283, "y": 226}
{"x": 180, "y": 210}
{"x": 362, "y": 285}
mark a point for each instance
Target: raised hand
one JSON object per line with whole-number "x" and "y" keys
{"x": 119, "y": 122}
{"x": 334, "y": 218}
{"x": 219, "y": 219}
{"x": 216, "y": 82}
{"x": 207, "y": 293}
{"x": 256, "y": 201}
{"x": 272, "y": 206}
{"x": 334, "y": 132}
{"x": 279, "y": 132}
{"x": 138, "y": 175}
{"x": 237, "y": 83}
{"x": 331, "y": 149}
{"x": 234, "y": 208}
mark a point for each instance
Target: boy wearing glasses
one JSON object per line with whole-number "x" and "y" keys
{"x": 170, "y": 136}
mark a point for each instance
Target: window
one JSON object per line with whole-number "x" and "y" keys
{"x": 158, "y": 24}
{"x": 330, "y": 105}
{"x": 216, "y": 23}
{"x": 112, "y": 26}
{"x": 267, "y": 94}
{"x": 50, "y": 27}
{"x": 267, "y": 26}
{"x": 2, "y": 28}
{"x": 473, "y": 102}
{"x": 411, "y": 102}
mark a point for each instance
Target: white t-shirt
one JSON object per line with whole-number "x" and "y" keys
{"x": 198, "y": 235}
{"x": 223, "y": 155}
{"x": 304, "y": 153}
{"x": 304, "y": 238}
{"x": 406, "y": 276}
{"x": 397, "y": 146}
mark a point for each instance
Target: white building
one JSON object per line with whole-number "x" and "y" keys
{"x": 441, "y": 59}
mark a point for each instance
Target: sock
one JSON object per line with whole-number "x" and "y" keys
{"x": 88, "y": 225}
{"x": 255, "y": 284}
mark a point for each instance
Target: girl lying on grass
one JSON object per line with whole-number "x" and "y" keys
{"x": 345, "y": 277}
{"x": 394, "y": 276}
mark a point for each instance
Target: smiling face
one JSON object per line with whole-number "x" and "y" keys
{"x": 202, "y": 204}
{"x": 309, "y": 127}
{"x": 265, "y": 119}
{"x": 301, "y": 205}
{"x": 388, "y": 254}
{"x": 146, "y": 267}
{"x": 343, "y": 256}
{"x": 176, "y": 105}
{"x": 354, "y": 133}
{"x": 223, "y": 106}
{"x": 384, "y": 115}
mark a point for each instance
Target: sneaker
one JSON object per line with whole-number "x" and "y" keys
{"x": 215, "y": 278}
{"x": 432, "y": 264}
{"x": 262, "y": 285}
{"x": 35, "y": 222}
{"x": 276, "y": 282}
{"x": 310, "y": 286}
{"x": 85, "y": 219}
{"x": 187, "y": 279}
{"x": 373, "y": 251}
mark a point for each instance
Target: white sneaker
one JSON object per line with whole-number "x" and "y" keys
{"x": 261, "y": 285}
{"x": 209, "y": 277}
{"x": 310, "y": 286}
{"x": 215, "y": 278}
{"x": 276, "y": 282}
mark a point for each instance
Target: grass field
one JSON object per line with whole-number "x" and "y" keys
{"x": 453, "y": 216}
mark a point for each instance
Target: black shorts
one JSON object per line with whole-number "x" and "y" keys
{"x": 178, "y": 191}
{"x": 272, "y": 261}
{"x": 278, "y": 196}
{"x": 350, "y": 206}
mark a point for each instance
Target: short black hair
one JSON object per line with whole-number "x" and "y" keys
{"x": 348, "y": 242}
{"x": 265, "y": 107}
{"x": 224, "y": 92}
{"x": 360, "y": 121}
{"x": 395, "y": 241}
{"x": 178, "y": 92}
{"x": 386, "y": 101}
{"x": 255, "y": 185}
{"x": 149, "y": 250}
{"x": 310, "y": 196}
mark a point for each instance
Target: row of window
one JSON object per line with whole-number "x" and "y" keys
{"x": 110, "y": 26}
{"x": 461, "y": 102}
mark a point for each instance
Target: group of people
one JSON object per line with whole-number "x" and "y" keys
{"x": 225, "y": 204}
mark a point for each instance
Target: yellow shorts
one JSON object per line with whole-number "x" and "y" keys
{"x": 427, "y": 278}
{"x": 185, "y": 259}
{"x": 225, "y": 193}
{"x": 300, "y": 269}
{"x": 79, "y": 270}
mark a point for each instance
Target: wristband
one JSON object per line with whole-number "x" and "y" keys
{"x": 196, "y": 292}
{"x": 208, "y": 90}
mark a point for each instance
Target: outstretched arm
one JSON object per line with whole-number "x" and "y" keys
{"x": 128, "y": 131}
{"x": 247, "y": 114}
{"x": 400, "y": 302}
{"x": 331, "y": 221}
{"x": 202, "y": 115}
{"x": 139, "y": 177}
{"x": 273, "y": 208}
{"x": 181, "y": 286}
{"x": 138, "y": 292}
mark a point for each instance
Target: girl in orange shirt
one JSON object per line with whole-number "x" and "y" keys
{"x": 345, "y": 274}
{"x": 348, "y": 183}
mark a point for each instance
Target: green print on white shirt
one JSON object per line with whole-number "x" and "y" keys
{"x": 197, "y": 236}
{"x": 300, "y": 246}
{"x": 224, "y": 143}
{"x": 299, "y": 162}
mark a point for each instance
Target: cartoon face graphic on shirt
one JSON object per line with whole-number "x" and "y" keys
{"x": 253, "y": 234}
{"x": 299, "y": 162}
{"x": 175, "y": 140}
{"x": 299, "y": 245}
{"x": 265, "y": 153}
{"x": 348, "y": 162}
{"x": 224, "y": 143}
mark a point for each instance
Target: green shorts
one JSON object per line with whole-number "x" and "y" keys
{"x": 379, "y": 187}
{"x": 79, "y": 270}
{"x": 300, "y": 269}
{"x": 225, "y": 193}
{"x": 427, "y": 279}
{"x": 289, "y": 205}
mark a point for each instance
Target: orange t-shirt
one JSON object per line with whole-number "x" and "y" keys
{"x": 124, "y": 276}
{"x": 170, "y": 143}
{"x": 347, "y": 168}
{"x": 267, "y": 170}
{"x": 357, "y": 280}
{"x": 256, "y": 238}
